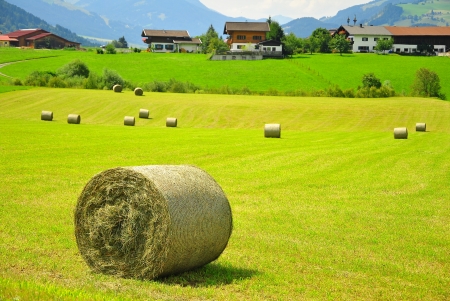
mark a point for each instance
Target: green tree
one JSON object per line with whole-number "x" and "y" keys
{"x": 74, "y": 68}
{"x": 123, "y": 42}
{"x": 370, "y": 80}
{"x": 340, "y": 43}
{"x": 217, "y": 46}
{"x": 206, "y": 38}
{"x": 426, "y": 83}
{"x": 111, "y": 78}
{"x": 276, "y": 32}
{"x": 323, "y": 37}
{"x": 110, "y": 49}
{"x": 383, "y": 45}
{"x": 291, "y": 44}
{"x": 311, "y": 44}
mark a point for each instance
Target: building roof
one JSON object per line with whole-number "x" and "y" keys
{"x": 191, "y": 41}
{"x": 39, "y": 36}
{"x": 246, "y": 26}
{"x": 6, "y": 38}
{"x": 24, "y": 32}
{"x": 419, "y": 31}
{"x": 366, "y": 30}
{"x": 164, "y": 33}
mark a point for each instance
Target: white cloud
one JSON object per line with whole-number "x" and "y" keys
{"x": 162, "y": 16}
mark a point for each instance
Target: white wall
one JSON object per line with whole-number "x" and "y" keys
{"x": 370, "y": 43}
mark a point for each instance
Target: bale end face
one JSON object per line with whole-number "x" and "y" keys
{"x": 117, "y": 88}
{"x": 47, "y": 115}
{"x": 138, "y": 92}
{"x": 129, "y": 120}
{"x": 73, "y": 119}
{"x": 272, "y": 130}
{"x": 143, "y": 113}
{"x": 171, "y": 122}
{"x": 421, "y": 127}
{"x": 401, "y": 133}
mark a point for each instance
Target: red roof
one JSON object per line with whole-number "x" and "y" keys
{"x": 23, "y": 32}
{"x": 6, "y": 38}
{"x": 39, "y": 36}
{"x": 419, "y": 31}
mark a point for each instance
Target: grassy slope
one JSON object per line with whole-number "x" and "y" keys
{"x": 425, "y": 7}
{"x": 336, "y": 209}
{"x": 303, "y": 72}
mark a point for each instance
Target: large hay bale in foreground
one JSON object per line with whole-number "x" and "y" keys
{"x": 150, "y": 221}
{"x": 117, "y": 88}
{"x": 74, "y": 119}
{"x": 272, "y": 130}
{"x": 171, "y": 122}
{"x": 47, "y": 115}
{"x": 421, "y": 127}
{"x": 143, "y": 113}
{"x": 138, "y": 92}
{"x": 129, "y": 120}
{"x": 401, "y": 133}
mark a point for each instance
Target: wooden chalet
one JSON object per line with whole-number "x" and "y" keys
{"x": 39, "y": 38}
{"x": 170, "y": 41}
{"x": 245, "y": 35}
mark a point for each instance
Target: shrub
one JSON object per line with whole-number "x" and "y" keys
{"x": 16, "y": 82}
{"x": 426, "y": 83}
{"x": 38, "y": 78}
{"x": 370, "y": 80}
{"x": 110, "y": 49}
{"x": 56, "y": 82}
{"x": 99, "y": 51}
{"x": 74, "y": 68}
{"x": 111, "y": 78}
{"x": 94, "y": 81}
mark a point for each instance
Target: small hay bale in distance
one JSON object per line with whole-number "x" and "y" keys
{"x": 421, "y": 127}
{"x": 138, "y": 92}
{"x": 117, "y": 88}
{"x": 129, "y": 120}
{"x": 47, "y": 115}
{"x": 272, "y": 130}
{"x": 143, "y": 113}
{"x": 401, "y": 133}
{"x": 171, "y": 122}
{"x": 151, "y": 221}
{"x": 74, "y": 119}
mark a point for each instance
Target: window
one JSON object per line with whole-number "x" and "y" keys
{"x": 274, "y": 48}
{"x": 158, "y": 46}
{"x": 376, "y": 39}
{"x": 169, "y": 47}
{"x": 257, "y": 38}
{"x": 241, "y": 37}
{"x": 405, "y": 50}
{"x": 363, "y": 48}
{"x": 365, "y": 39}
{"x": 240, "y": 46}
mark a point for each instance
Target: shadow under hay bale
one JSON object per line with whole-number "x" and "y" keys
{"x": 421, "y": 127}
{"x": 47, "y": 115}
{"x": 143, "y": 113}
{"x": 401, "y": 133}
{"x": 272, "y": 130}
{"x": 171, "y": 122}
{"x": 138, "y": 92}
{"x": 74, "y": 119}
{"x": 129, "y": 120}
{"x": 151, "y": 221}
{"x": 117, "y": 88}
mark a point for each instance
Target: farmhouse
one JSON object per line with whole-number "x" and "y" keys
{"x": 170, "y": 41}
{"x": 6, "y": 41}
{"x": 245, "y": 35}
{"x": 364, "y": 38}
{"x": 38, "y": 38}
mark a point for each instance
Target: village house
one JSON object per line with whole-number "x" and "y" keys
{"x": 170, "y": 41}
{"x": 37, "y": 38}
{"x": 245, "y": 35}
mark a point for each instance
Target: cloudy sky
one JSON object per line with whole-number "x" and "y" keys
{"x": 256, "y": 9}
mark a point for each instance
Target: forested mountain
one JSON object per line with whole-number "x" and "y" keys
{"x": 13, "y": 18}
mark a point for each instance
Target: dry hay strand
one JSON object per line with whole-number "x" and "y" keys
{"x": 138, "y": 92}
{"x": 47, "y": 115}
{"x": 421, "y": 127}
{"x": 171, "y": 122}
{"x": 117, "y": 88}
{"x": 401, "y": 133}
{"x": 129, "y": 120}
{"x": 74, "y": 119}
{"x": 272, "y": 130}
{"x": 146, "y": 222}
{"x": 143, "y": 113}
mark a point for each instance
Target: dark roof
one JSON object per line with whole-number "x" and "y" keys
{"x": 246, "y": 26}
{"x": 366, "y": 29}
{"x": 164, "y": 33}
{"x": 24, "y": 32}
{"x": 419, "y": 31}
{"x": 39, "y": 36}
{"x": 191, "y": 41}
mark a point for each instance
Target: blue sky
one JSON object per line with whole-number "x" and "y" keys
{"x": 256, "y": 9}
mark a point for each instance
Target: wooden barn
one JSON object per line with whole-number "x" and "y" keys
{"x": 39, "y": 38}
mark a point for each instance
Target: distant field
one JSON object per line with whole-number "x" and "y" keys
{"x": 302, "y": 72}
{"x": 334, "y": 210}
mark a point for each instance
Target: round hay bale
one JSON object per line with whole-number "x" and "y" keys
{"x": 151, "y": 221}
{"x": 138, "y": 92}
{"x": 117, "y": 88}
{"x": 143, "y": 113}
{"x": 74, "y": 118}
{"x": 272, "y": 130}
{"x": 129, "y": 120}
{"x": 171, "y": 122}
{"x": 401, "y": 133}
{"x": 421, "y": 127}
{"x": 47, "y": 115}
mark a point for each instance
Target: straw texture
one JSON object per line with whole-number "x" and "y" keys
{"x": 117, "y": 88}
{"x": 143, "y": 113}
{"x": 47, "y": 115}
{"x": 401, "y": 133}
{"x": 129, "y": 120}
{"x": 138, "y": 92}
{"x": 171, "y": 122}
{"x": 150, "y": 221}
{"x": 272, "y": 130}
{"x": 74, "y": 119}
{"x": 421, "y": 127}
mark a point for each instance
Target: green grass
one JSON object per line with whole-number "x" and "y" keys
{"x": 303, "y": 72}
{"x": 334, "y": 210}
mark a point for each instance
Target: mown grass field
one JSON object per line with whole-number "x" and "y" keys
{"x": 302, "y": 72}
{"x": 334, "y": 210}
